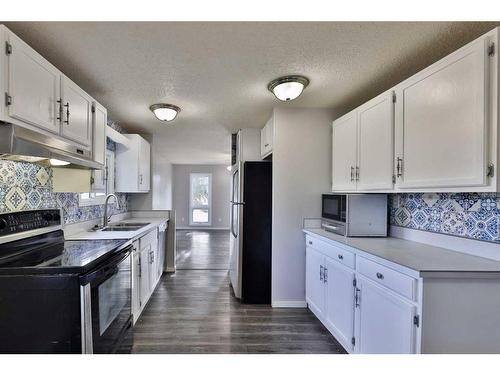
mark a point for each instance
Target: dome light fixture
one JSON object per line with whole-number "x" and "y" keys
{"x": 165, "y": 112}
{"x": 288, "y": 87}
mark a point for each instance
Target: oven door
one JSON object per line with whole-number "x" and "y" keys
{"x": 106, "y": 304}
{"x": 333, "y": 207}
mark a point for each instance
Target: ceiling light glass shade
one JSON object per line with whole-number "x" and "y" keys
{"x": 288, "y": 87}
{"x": 57, "y": 162}
{"x": 228, "y": 168}
{"x": 165, "y": 112}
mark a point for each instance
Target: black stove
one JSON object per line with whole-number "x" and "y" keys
{"x": 60, "y": 296}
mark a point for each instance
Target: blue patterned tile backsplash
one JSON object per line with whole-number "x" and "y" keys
{"x": 471, "y": 215}
{"x": 26, "y": 186}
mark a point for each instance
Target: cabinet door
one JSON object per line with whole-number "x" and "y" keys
{"x": 136, "y": 283}
{"x": 315, "y": 286}
{"x": 344, "y": 152}
{"x": 441, "y": 123}
{"x": 263, "y": 135}
{"x": 384, "y": 321}
{"x": 153, "y": 264}
{"x": 340, "y": 301}
{"x": 33, "y": 84}
{"x": 375, "y": 144}
{"x": 144, "y": 165}
{"x": 76, "y": 113}
{"x": 99, "y": 120}
{"x": 144, "y": 289}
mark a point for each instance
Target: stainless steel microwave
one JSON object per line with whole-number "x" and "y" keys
{"x": 355, "y": 215}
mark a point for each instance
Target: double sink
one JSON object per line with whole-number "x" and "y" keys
{"x": 122, "y": 227}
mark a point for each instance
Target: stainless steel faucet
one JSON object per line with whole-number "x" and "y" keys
{"x": 106, "y": 218}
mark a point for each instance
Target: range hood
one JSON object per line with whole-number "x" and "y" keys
{"x": 22, "y": 144}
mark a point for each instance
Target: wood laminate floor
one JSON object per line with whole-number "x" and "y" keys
{"x": 195, "y": 311}
{"x": 202, "y": 249}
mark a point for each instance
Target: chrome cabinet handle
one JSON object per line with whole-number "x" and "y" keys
{"x": 60, "y": 110}
{"x": 352, "y": 174}
{"x": 380, "y": 276}
{"x": 357, "y": 173}
{"x": 140, "y": 179}
{"x": 356, "y": 297}
{"x": 325, "y": 274}
{"x": 266, "y": 145}
{"x": 399, "y": 167}
{"x": 139, "y": 265}
{"x": 67, "y": 113}
{"x": 321, "y": 273}
{"x": 310, "y": 242}
{"x": 340, "y": 256}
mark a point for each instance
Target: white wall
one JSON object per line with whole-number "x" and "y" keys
{"x": 221, "y": 194}
{"x": 301, "y": 172}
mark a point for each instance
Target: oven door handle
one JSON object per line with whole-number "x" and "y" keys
{"x": 107, "y": 269}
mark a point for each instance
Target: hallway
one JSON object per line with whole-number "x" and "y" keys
{"x": 200, "y": 249}
{"x": 194, "y": 310}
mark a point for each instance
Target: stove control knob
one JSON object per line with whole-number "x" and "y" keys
{"x": 3, "y": 224}
{"x": 47, "y": 216}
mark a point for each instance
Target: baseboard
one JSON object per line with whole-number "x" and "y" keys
{"x": 201, "y": 228}
{"x": 289, "y": 304}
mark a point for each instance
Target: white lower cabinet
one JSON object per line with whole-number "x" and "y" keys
{"x": 145, "y": 275}
{"x": 384, "y": 320}
{"x": 315, "y": 289}
{"x": 339, "y": 316}
{"x": 365, "y": 316}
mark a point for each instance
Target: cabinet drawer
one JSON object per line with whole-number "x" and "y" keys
{"x": 398, "y": 282}
{"x": 335, "y": 252}
{"x": 147, "y": 238}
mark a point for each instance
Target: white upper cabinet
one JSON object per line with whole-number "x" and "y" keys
{"x": 376, "y": 144}
{"x": 442, "y": 123}
{"x": 99, "y": 121}
{"x": 266, "y": 138}
{"x": 344, "y": 141}
{"x": 32, "y": 86}
{"x": 76, "y": 113}
{"x": 132, "y": 165}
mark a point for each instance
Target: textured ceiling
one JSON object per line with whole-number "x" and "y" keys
{"x": 218, "y": 72}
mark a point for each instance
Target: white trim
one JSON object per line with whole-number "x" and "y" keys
{"x": 289, "y": 304}
{"x": 208, "y": 207}
{"x": 470, "y": 246}
{"x": 202, "y": 227}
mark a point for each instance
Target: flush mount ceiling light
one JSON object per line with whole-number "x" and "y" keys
{"x": 288, "y": 87}
{"x": 165, "y": 112}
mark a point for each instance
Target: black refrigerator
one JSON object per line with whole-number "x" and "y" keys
{"x": 256, "y": 232}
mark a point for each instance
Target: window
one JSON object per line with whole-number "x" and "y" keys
{"x": 200, "y": 199}
{"x": 103, "y": 182}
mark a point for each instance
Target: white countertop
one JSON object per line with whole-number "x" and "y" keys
{"x": 119, "y": 235}
{"x": 413, "y": 255}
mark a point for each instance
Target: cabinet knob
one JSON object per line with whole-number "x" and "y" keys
{"x": 340, "y": 256}
{"x": 310, "y": 242}
{"x": 380, "y": 276}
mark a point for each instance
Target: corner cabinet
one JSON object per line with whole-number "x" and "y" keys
{"x": 362, "y": 147}
{"x": 132, "y": 165}
{"x": 266, "y": 138}
{"x": 436, "y": 131}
